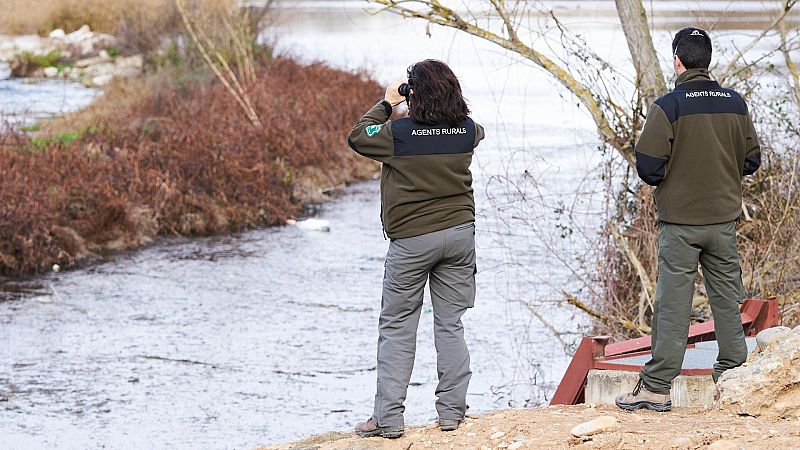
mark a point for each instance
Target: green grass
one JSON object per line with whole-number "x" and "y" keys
{"x": 32, "y": 128}
{"x": 46, "y": 60}
{"x": 42, "y": 142}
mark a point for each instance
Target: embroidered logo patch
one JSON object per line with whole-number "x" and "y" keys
{"x": 372, "y": 130}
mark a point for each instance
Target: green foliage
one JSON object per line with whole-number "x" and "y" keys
{"x": 169, "y": 57}
{"x": 113, "y": 52}
{"x": 32, "y": 128}
{"x": 46, "y": 60}
{"x": 42, "y": 142}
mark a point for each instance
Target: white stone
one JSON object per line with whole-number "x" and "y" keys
{"x": 681, "y": 442}
{"x": 723, "y": 445}
{"x": 58, "y": 33}
{"x": 136, "y": 62}
{"x": 515, "y": 445}
{"x": 50, "y": 72}
{"x": 311, "y": 224}
{"x": 45, "y": 299}
{"x": 101, "y": 69}
{"x": 594, "y": 426}
{"x": 769, "y": 385}
{"x": 103, "y": 54}
{"x": 102, "y": 80}
{"x": 766, "y": 337}
{"x": 497, "y": 435}
{"x": 86, "y": 62}
{"x": 78, "y": 35}
{"x": 796, "y": 329}
{"x": 31, "y": 43}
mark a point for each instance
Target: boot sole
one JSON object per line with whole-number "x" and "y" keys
{"x": 658, "y": 407}
{"x": 381, "y": 433}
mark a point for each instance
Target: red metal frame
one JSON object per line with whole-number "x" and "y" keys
{"x": 594, "y": 352}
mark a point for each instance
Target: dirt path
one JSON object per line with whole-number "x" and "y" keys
{"x": 549, "y": 428}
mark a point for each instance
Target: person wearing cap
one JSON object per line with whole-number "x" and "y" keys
{"x": 697, "y": 143}
{"x": 428, "y": 212}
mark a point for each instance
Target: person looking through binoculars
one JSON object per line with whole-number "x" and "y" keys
{"x": 428, "y": 212}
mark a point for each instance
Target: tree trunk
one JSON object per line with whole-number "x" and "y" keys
{"x": 640, "y": 43}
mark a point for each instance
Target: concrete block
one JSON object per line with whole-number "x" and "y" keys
{"x": 603, "y": 386}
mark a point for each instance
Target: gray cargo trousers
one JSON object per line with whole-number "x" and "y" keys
{"x": 679, "y": 249}
{"x": 447, "y": 259}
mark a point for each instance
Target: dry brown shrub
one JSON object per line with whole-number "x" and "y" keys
{"x": 181, "y": 160}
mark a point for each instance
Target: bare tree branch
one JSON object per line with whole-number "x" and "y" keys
{"x": 731, "y": 66}
{"x": 434, "y": 12}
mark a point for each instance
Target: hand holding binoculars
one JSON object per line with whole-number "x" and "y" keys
{"x": 404, "y": 90}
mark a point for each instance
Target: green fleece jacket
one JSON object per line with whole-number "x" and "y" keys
{"x": 697, "y": 144}
{"x": 426, "y": 184}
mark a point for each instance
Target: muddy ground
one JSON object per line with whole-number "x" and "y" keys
{"x": 549, "y": 428}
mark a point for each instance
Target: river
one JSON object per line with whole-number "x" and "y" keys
{"x": 269, "y": 335}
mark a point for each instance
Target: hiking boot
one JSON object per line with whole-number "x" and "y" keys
{"x": 449, "y": 424}
{"x": 642, "y": 398}
{"x": 370, "y": 428}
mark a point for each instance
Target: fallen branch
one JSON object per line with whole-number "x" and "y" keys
{"x": 608, "y": 320}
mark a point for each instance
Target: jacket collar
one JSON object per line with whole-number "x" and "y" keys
{"x": 693, "y": 79}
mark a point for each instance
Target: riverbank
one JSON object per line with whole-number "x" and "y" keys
{"x": 164, "y": 155}
{"x": 550, "y": 428}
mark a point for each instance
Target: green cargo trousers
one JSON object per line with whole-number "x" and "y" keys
{"x": 679, "y": 249}
{"x": 447, "y": 259}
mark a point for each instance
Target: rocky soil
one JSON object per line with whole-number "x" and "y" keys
{"x": 551, "y": 428}
{"x": 758, "y": 407}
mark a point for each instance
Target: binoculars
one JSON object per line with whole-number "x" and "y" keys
{"x": 404, "y": 89}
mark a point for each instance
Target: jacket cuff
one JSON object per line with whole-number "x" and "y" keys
{"x": 388, "y": 107}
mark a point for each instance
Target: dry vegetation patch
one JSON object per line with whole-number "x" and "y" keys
{"x": 181, "y": 159}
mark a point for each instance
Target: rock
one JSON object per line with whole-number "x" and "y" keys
{"x": 58, "y": 33}
{"x": 102, "y": 80}
{"x": 771, "y": 335}
{"x": 311, "y": 224}
{"x": 723, "y": 445}
{"x": 44, "y": 299}
{"x": 594, "y": 426}
{"x": 21, "y": 67}
{"x": 33, "y": 44}
{"x": 796, "y": 329}
{"x": 50, "y": 72}
{"x": 681, "y": 442}
{"x": 86, "y": 62}
{"x": 78, "y": 35}
{"x": 497, "y": 435}
{"x": 132, "y": 62}
{"x": 769, "y": 385}
{"x": 515, "y": 445}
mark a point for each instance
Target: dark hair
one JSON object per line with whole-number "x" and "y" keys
{"x": 693, "y": 47}
{"x": 436, "y": 95}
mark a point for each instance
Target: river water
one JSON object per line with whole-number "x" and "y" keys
{"x": 26, "y": 101}
{"x": 269, "y": 335}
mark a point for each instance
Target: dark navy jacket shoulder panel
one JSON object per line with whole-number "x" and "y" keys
{"x": 411, "y": 138}
{"x": 701, "y": 97}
